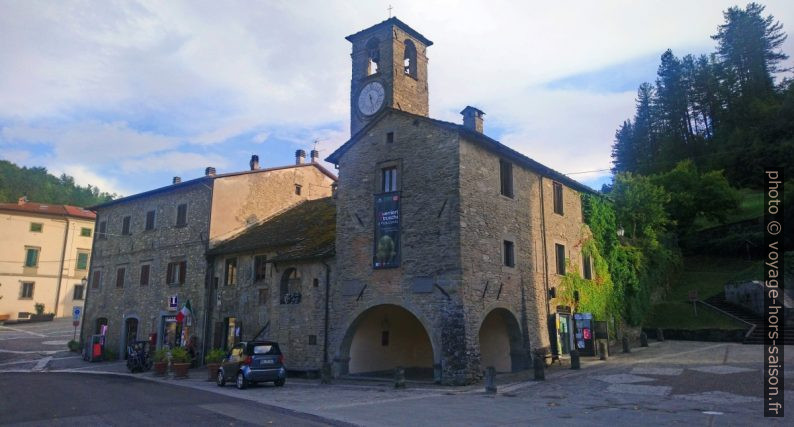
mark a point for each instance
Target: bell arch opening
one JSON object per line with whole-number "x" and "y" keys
{"x": 385, "y": 337}
{"x": 501, "y": 343}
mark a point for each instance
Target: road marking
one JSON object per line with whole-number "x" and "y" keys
{"x": 41, "y": 364}
{"x": 648, "y": 390}
{"x": 19, "y": 362}
{"x": 711, "y": 347}
{"x": 722, "y": 369}
{"x": 22, "y": 330}
{"x": 649, "y": 370}
{"x": 30, "y": 351}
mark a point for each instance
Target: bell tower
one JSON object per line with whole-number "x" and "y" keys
{"x": 389, "y": 64}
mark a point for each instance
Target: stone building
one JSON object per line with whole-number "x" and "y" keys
{"x": 150, "y": 248}
{"x": 448, "y": 242}
{"x": 45, "y": 251}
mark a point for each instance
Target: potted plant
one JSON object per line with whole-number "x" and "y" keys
{"x": 213, "y": 360}
{"x": 180, "y": 362}
{"x": 160, "y": 361}
{"x": 40, "y": 316}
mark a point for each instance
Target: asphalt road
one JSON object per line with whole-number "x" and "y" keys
{"x": 88, "y": 400}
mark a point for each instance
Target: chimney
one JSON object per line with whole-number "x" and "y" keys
{"x": 254, "y": 162}
{"x": 472, "y": 119}
{"x": 177, "y": 180}
{"x": 209, "y": 171}
{"x": 22, "y": 200}
{"x": 315, "y": 155}
{"x": 300, "y": 156}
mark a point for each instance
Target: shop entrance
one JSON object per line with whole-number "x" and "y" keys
{"x": 171, "y": 332}
{"x": 385, "y": 337}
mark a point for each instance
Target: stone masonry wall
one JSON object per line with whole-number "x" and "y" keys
{"x": 428, "y": 279}
{"x": 158, "y": 247}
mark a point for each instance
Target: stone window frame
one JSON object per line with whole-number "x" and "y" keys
{"x": 381, "y": 167}
{"x": 558, "y": 198}
{"x": 150, "y": 225}
{"x": 557, "y": 264}
{"x": 255, "y": 265}
{"x": 184, "y": 222}
{"x": 102, "y": 229}
{"x": 149, "y": 274}
{"x": 506, "y": 179}
{"x": 509, "y": 252}
{"x": 177, "y": 267}
{"x": 22, "y": 289}
{"x": 126, "y": 225}
{"x": 230, "y": 271}
{"x": 87, "y": 254}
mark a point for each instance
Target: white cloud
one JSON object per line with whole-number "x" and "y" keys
{"x": 173, "y": 162}
{"x": 83, "y": 176}
{"x": 138, "y": 81}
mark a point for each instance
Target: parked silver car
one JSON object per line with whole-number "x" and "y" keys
{"x": 253, "y": 362}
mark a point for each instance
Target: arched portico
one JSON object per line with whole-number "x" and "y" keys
{"x": 385, "y": 336}
{"x": 501, "y": 345}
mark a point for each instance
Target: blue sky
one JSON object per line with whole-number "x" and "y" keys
{"x": 126, "y": 95}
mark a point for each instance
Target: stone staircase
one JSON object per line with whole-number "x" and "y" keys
{"x": 757, "y": 335}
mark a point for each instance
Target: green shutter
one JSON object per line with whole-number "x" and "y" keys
{"x": 82, "y": 261}
{"x": 32, "y": 258}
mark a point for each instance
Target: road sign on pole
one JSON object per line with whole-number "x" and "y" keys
{"x": 76, "y": 312}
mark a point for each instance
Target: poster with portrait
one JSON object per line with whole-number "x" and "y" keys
{"x": 387, "y": 230}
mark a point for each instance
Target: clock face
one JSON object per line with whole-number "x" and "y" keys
{"x": 371, "y": 98}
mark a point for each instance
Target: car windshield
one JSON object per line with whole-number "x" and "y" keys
{"x": 265, "y": 349}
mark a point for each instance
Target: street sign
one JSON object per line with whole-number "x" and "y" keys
{"x": 76, "y": 323}
{"x": 76, "y": 312}
{"x": 173, "y": 302}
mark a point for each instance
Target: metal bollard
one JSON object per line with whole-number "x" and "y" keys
{"x": 602, "y": 350}
{"x": 575, "y": 364}
{"x": 643, "y": 339}
{"x": 325, "y": 374}
{"x": 490, "y": 377}
{"x": 399, "y": 377}
{"x": 660, "y": 334}
{"x": 540, "y": 365}
{"x": 626, "y": 348}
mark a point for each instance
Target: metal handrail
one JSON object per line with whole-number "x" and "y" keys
{"x": 752, "y": 325}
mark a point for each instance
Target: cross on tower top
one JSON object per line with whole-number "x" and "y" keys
{"x": 390, "y": 8}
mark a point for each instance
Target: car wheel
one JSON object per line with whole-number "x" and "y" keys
{"x": 221, "y": 381}
{"x": 240, "y": 381}
{"x": 279, "y": 383}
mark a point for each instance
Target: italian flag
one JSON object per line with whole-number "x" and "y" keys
{"x": 184, "y": 312}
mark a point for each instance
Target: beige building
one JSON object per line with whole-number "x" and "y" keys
{"x": 45, "y": 252}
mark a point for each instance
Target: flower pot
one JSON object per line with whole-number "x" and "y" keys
{"x": 213, "y": 370}
{"x": 160, "y": 368}
{"x": 180, "y": 369}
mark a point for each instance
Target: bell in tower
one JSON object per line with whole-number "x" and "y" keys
{"x": 389, "y": 71}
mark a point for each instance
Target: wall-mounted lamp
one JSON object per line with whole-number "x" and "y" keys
{"x": 621, "y": 231}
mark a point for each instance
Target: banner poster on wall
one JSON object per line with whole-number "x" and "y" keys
{"x": 387, "y": 230}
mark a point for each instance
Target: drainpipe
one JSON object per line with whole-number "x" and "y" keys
{"x": 60, "y": 270}
{"x": 327, "y": 296}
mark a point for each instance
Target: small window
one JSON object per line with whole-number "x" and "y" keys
{"x": 263, "y": 294}
{"x": 120, "y": 273}
{"x": 389, "y": 179}
{"x": 102, "y": 228}
{"x": 509, "y": 254}
{"x": 85, "y": 232}
{"x": 31, "y": 257}
{"x": 560, "y": 251}
{"x": 587, "y": 268}
{"x": 390, "y": 137}
{"x": 297, "y": 189}
{"x": 96, "y": 279}
{"x": 506, "y": 178}
{"x": 26, "y": 290}
{"x": 181, "y": 215}
{"x": 36, "y": 227}
{"x": 150, "y": 220}
{"x": 145, "y": 273}
{"x": 78, "y": 293}
{"x": 82, "y": 260}
{"x": 175, "y": 274}
{"x": 409, "y": 59}
{"x": 558, "y": 198}
{"x": 316, "y": 282}
{"x": 125, "y": 226}
{"x": 231, "y": 272}
{"x": 312, "y": 339}
{"x": 384, "y": 338}
{"x": 260, "y": 267}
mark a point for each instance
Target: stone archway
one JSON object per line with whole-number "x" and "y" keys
{"x": 384, "y": 337}
{"x": 500, "y": 342}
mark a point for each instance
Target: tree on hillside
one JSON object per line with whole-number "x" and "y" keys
{"x": 640, "y": 206}
{"x": 40, "y": 186}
